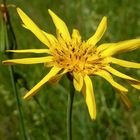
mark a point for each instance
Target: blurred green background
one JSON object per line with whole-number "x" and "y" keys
{"x": 47, "y": 121}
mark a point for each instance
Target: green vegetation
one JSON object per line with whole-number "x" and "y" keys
{"x": 46, "y": 120}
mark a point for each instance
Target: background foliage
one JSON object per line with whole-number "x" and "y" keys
{"x": 47, "y": 121}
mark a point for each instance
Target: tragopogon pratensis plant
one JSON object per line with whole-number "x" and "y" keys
{"x": 67, "y": 53}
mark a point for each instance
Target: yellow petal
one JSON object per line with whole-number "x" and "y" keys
{"x": 119, "y": 74}
{"x": 60, "y": 26}
{"x": 55, "y": 79}
{"x": 124, "y": 63}
{"x": 30, "y": 51}
{"x": 50, "y": 37}
{"x": 33, "y": 27}
{"x": 125, "y": 100}
{"x": 49, "y": 64}
{"x": 76, "y": 35}
{"x": 89, "y": 96}
{"x": 28, "y": 60}
{"x": 109, "y": 78}
{"x": 104, "y": 46}
{"x": 135, "y": 83}
{"x": 121, "y": 47}
{"x": 33, "y": 91}
{"x": 77, "y": 81}
{"x": 99, "y": 32}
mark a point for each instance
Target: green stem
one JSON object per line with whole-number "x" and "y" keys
{"x": 10, "y": 43}
{"x": 17, "y": 101}
{"x": 69, "y": 111}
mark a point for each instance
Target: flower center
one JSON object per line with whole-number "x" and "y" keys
{"x": 76, "y": 56}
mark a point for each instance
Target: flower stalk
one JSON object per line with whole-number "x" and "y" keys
{"x": 69, "y": 110}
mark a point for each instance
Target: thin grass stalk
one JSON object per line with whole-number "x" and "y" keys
{"x": 19, "y": 106}
{"x": 21, "y": 117}
{"x": 10, "y": 43}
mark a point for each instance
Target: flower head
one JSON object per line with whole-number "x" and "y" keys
{"x": 67, "y": 53}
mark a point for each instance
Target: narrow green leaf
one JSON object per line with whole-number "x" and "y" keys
{"x": 2, "y": 36}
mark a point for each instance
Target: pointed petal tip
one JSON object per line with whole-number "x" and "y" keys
{"x": 105, "y": 18}
{"x": 6, "y": 62}
{"x": 125, "y": 90}
{"x": 18, "y": 10}
{"x": 29, "y": 95}
{"x": 78, "y": 89}
{"x": 93, "y": 117}
{"x": 78, "y": 81}
{"x": 99, "y": 32}
{"x": 26, "y": 97}
{"x": 50, "y": 11}
{"x": 3, "y": 62}
{"x": 8, "y": 50}
{"x": 60, "y": 25}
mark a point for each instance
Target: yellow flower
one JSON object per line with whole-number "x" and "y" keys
{"x": 67, "y": 53}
